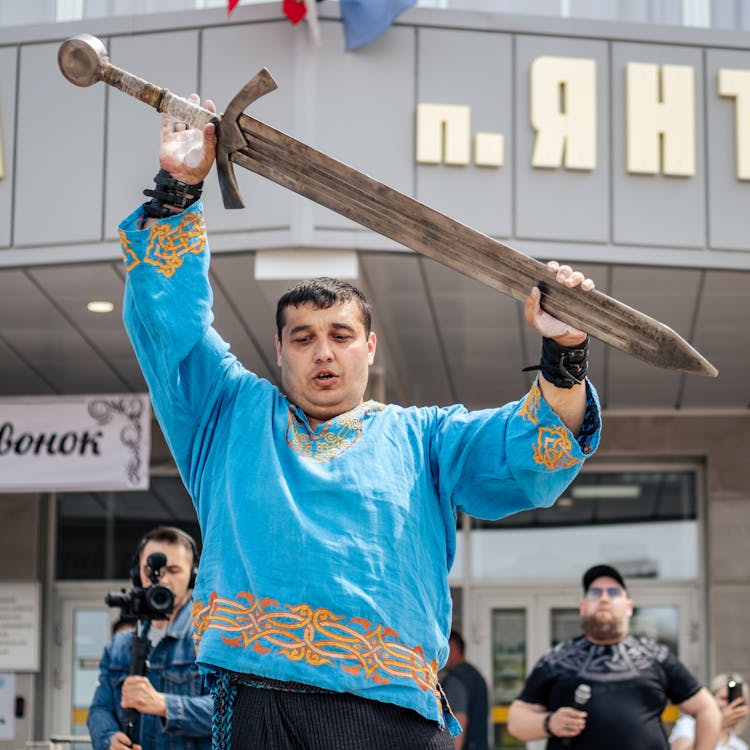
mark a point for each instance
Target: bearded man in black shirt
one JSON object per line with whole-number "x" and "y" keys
{"x": 607, "y": 688}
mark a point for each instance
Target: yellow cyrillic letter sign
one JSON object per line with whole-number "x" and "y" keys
{"x": 563, "y": 112}
{"x": 443, "y": 134}
{"x": 736, "y": 83}
{"x": 660, "y": 119}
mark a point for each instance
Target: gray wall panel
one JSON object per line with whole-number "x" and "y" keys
{"x": 7, "y": 138}
{"x": 364, "y": 104}
{"x": 657, "y": 209}
{"x": 60, "y": 154}
{"x": 169, "y": 60}
{"x": 560, "y": 204}
{"x": 471, "y": 69}
{"x": 231, "y": 56}
{"x": 14, "y": 12}
{"x": 729, "y": 197}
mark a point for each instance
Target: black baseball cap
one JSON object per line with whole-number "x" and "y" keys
{"x": 600, "y": 571}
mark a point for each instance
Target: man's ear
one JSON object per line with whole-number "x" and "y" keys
{"x": 372, "y": 343}
{"x": 278, "y": 348}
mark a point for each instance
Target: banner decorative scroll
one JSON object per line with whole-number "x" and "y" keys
{"x": 75, "y": 443}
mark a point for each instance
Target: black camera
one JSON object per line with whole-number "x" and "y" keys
{"x": 734, "y": 690}
{"x": 153, "y": 603}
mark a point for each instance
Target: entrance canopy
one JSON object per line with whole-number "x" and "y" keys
{"x": 442, "y": 338}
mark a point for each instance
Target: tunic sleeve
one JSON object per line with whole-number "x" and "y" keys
{"x": 495, "y": 462}
{"x": 191, "y": 374}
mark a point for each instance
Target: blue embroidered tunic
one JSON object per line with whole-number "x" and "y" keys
{"x": 326, "y": 550}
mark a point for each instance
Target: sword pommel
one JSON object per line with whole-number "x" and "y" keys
{"x": 81, "y": 58}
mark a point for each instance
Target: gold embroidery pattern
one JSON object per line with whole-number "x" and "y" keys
{"x": 129, "y": 258}
{"x": 168, "y": 244}
{"x": 338, "y": 435}
{"x": 530, "y": 406}
{"x": 315, "y": 636}
{"x": 552, "y": 449}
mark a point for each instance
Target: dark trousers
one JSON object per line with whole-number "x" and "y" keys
{"x": 268, "y": 719}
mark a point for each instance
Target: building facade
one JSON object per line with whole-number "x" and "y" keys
{"x": 622, "y": 148}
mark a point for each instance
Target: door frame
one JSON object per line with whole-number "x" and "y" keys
{"x": 67, "y": 596}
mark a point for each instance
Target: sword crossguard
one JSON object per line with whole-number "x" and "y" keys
{"x": 230, "y": 137}
{"x": 83, "y": 60}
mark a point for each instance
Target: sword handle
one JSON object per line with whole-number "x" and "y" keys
{"x": 83, "y": 60}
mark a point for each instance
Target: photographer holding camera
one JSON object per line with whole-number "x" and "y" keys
{"x": 169, "y": 708}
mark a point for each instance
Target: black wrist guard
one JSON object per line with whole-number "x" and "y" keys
{"x": 563, "y": 366}
{"x": 170, "y": 196}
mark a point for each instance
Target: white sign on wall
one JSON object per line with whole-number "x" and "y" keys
{"x": 19, "y": 627}
{"x": 60, "y": 443}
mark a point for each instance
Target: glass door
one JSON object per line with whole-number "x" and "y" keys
{"x": 509, "y": 632}
{"x": 83, "y": 628}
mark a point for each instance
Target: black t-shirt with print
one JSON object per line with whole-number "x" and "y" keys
{"x": 631, "y": 682}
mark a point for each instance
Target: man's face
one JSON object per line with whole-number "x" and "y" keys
{"x": 175, "y": 574}
{"x": 606, "y": 610}
{"x": 324, "y": 357}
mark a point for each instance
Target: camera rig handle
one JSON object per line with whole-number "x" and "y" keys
{"x": 139, "y": 667}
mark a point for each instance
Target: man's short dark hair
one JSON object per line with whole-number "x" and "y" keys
{"x": 168, "y": 535}
{"x": 323, "y": 292}
{"x": 457, "y": 638}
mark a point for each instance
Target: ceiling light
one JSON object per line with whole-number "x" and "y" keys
{"x": 100, "y": 306}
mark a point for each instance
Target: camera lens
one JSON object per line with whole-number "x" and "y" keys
{"x": 160, "y": 599}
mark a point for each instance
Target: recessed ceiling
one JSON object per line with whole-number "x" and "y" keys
{"x": 443, "y": 338}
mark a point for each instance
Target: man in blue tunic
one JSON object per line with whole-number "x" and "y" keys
{"x": 322, "y": 607}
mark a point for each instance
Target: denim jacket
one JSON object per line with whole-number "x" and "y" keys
{"x": 172, "y": 671}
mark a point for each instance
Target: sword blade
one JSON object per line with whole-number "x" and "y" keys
{"x": 347, "y": 191}
{"x": 272, "y": 154}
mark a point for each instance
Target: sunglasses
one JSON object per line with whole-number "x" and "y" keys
{"x": 597, "y": 592}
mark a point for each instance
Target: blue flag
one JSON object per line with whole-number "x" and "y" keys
{"x": 364, "y": 20}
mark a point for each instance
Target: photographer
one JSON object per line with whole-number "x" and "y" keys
{"x": 173, "y": 704}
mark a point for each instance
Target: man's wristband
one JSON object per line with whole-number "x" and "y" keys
{"x": 545, "y": 724}
{"x": 170, "y": 196}
{"x": 563, "y": 366}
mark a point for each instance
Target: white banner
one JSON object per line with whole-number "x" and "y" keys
{"x": 69, "y": 443}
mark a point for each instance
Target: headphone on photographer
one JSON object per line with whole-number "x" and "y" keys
{"x": 169, "y": 535}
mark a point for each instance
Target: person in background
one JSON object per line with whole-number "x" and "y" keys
{"x": 607, "y": 689}
{"x": 174, "y": 705}
{"x": 733, "y": 718}
{"x": 467, "y": 695}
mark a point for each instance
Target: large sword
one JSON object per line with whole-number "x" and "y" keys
{"x": 243, "y": 140}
